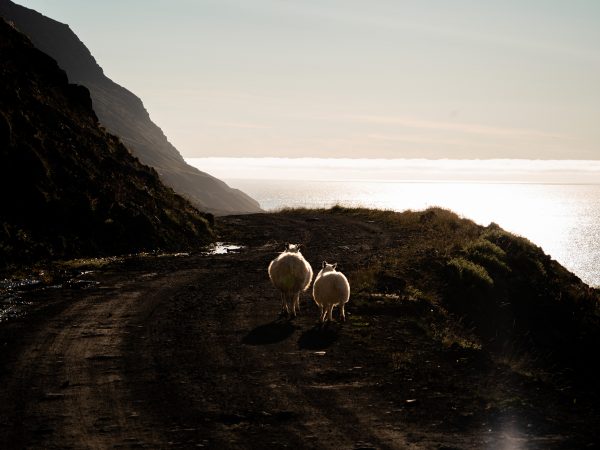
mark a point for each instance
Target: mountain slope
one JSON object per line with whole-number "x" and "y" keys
{"x": 124, "y": 115}
{"x": 67, "y": 187}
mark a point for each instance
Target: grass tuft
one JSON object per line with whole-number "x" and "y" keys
{"x": 471, "y": 272}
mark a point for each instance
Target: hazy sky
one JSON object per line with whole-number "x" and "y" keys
{"x": 422, "y": 170}
{"x": 345, "y": 78}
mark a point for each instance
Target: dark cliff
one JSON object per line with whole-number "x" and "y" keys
{"x": 67, "y": 187}
{"x": 123, "y": 114}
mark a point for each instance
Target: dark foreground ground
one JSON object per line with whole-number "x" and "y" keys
{"x": 188, "y": 352}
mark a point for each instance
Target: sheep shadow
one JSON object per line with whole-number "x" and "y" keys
{"x": 319, "y": 337}
{"x": 270, "y": 333}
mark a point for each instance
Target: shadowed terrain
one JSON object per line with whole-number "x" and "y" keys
{"x": 123, "y": 114}
{"x": 189, "y": 351}
{"x": 67, "y": 187}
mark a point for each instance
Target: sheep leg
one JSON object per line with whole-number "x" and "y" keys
{"x": 329, "y": 313}
{"x": 342, "y": 313}
{"x": 283, "y": 305}
{"x": 297, "y": 302}
{"x": 289, "y": 305}
{"x": 323, "y": 314}
{"x": 288, "y": 310}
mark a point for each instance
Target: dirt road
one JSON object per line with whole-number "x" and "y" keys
{"x": 189, "y": 352}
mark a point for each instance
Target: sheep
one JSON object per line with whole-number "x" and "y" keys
{"x": 291, "y": 274}
{"x": 331, "y": 288}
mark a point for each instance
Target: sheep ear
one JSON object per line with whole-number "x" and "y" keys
{"x": 300, "y": 246}
{"x": 324, "y": 264}
{"x": 335, "y": 266}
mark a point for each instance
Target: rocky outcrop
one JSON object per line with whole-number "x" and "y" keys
{"x": 67, "y": 187}
{"x": 123, "y": 114}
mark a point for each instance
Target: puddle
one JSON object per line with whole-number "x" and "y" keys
{"x": 81, "y": 284}
{"x": 15, "y": 299}
{"x": 19, "y": 284}
{"x": 221, "y": 248}
{"x": 12, "y": 303}
{"x": 75, "y": 274}
{"x": 170, "y": 255}
{"x": 12, "y": 306}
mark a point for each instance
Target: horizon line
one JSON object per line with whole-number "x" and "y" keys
{"x": 391, "y": 159}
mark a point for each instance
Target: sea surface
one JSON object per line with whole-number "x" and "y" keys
{"x": 559, "y": 212}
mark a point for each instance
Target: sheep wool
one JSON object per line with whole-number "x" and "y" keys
{"x": 331, "y": 288}
{"x": 291, "y": 274}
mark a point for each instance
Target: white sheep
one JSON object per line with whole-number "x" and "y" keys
{"x": 331, "y": 288}
{"x": 291, "y": 274}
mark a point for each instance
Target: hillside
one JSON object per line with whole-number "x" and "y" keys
{"x": 123, "y": 114}
{"x": 458, "y": 337}
{"x": 509, "y": 296}
{"x": 68, "y": 187}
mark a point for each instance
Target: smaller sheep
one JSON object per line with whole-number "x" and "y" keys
{"x": 331, "y": 288}
{"x": 291, "y": 274}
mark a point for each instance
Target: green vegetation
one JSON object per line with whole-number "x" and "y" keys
{"x": 470, "y": 286}
{"x": 488, "y": 254}
{"x": 470, "y": 272}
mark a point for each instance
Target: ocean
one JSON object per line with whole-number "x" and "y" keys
{"x": 556, "y": 205}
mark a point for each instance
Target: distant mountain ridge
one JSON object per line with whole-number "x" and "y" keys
{"x": 67, "y": 187}
{"x": 123, "y": 114}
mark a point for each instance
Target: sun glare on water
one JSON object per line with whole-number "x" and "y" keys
{"x": 555, "y": 204}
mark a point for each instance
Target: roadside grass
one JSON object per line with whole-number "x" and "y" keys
{"x": 489, "y": 289}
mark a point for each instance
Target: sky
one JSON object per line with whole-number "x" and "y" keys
{"x": 355, "y": 79}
